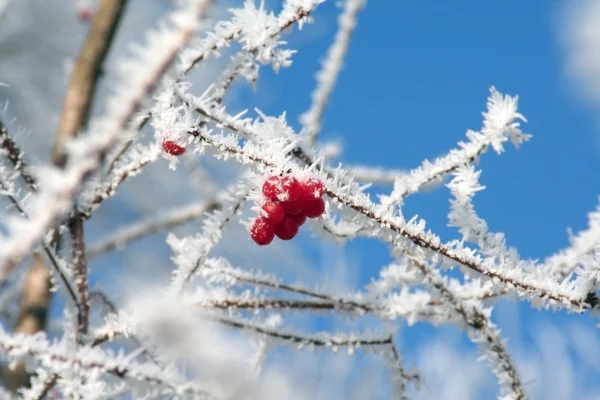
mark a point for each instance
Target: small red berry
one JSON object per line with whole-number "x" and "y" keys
{"x": 173, "y": 148}
{"x": 300, "y": 218}
{"x": 262, "y": 232}
{"x": 287, "y": 229}
{"x": 293, "y": 207}
{"x": 292, "y": 188}
{"x": 273, "y": 212}
{"x": 312, "y": 188}
{"x": 283, "y": 189}
{"x": 314, "y": 208}
{"x": 85, "y": 13}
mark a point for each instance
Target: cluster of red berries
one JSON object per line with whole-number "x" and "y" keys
{"x": 288, "y": 203}
{"x": 172, "y": 148}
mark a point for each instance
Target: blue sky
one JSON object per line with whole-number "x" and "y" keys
{"x": 416, "y": 78}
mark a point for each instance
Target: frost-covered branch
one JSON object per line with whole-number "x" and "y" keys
{"x": 482, "y": 331}
{"x": 80, "y": 272}
{"x": 500, "y": 125}
{"x": 331, "y": 67}
{"x": 583, "y": 245}
{"x": 105, "y": 190}
{"x": 374, "y": 175}
{"x": 162, "y": 222}
{"x": 87, "y": 154}
{"x": 16, "y": 157}
{"x": 531, "y": 282}
{"x": 399, "y": 376}
{"x": 90, "y": 361}
{"x": 190, "y": 253}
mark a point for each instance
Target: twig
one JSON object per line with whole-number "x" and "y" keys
{"x": 331, "y": 67}
{"x": 80, "y": 271}
{"x": 305, "y": 340}
{"x": 99, "y": 142}
{"x": 483, "y": 331}
{"x": 86, "y": 72}
{"x": 399, "y": 375}
{"x": 367, "y": 209}
{"x": 165, "y": 221}
{"x": 15, "y": 156}
{"x": 76, "y": 106}
{"x": 32, "y": 316}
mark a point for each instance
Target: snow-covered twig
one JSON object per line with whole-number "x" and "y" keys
{"x": 500, "y": 124}
{"x": 399, "y": 376}
{"x": 482, "y": 332}
{"x": 16, "y": 157}
{"x": 374, "y": 175}
{"x": 87, "y": 154}
{"x": 90, "y": 361}
{"x": 530, "y": 282}
{"x": 162, "y": 222}
{"x": 190, "y": 253}
{"x": 331, "y": 67}
{"x": 584, "y": 244}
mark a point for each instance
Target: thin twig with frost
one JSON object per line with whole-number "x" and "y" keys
{"x": 57, "y": 264}
{"x": 331, "y": 67}
{"x": 16, "y": 157}
{"x": 374, "y": 175}
{"x": 500, "y": 124}
{"x": 303, "y": 340}
{"x": 167, "y": 220}
{"x": 90, "y": 361}
{"x": 88, "y": 153}
{"x": 482, "y": 332}
{"x": 584, "y": 244}
{"x": 190, "y": 253}
{"x": 105, "y": 190}
{"x": 399, "y": 376}
{"x": 529, "y": 281}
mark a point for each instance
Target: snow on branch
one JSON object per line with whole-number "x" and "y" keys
{"x": 86, "y": 154}
{"x": 16, "y": 157}
{"x": 89, "y": 362}
{"x": 531, "y": 282}
{"x": 331, "y": 67}
{"x": 190, "y": 253}
{"x": 481, "y": 331}
{"x": 583, "y": 245}
{"x": 206, "y": 332}
{"x": 167, "y": 220}
{"x": 500, "y": 125}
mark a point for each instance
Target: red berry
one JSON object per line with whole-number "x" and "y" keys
{"x": 300, "y": 218}
{"x": 293, "y": 207}
{"x": 173, "y": 148}
{"x": 287, "y": 229}
{"x": 283, "y": 189}
{"x": 273, "y": 212}
{"x": 312, "y": 188}
{"x": 262, "y": 232}
{"x": 85, "y": 13}
{"x": 314, "y": 208}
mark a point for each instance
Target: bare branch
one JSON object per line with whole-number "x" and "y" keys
{"x": 86, "y": 72}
